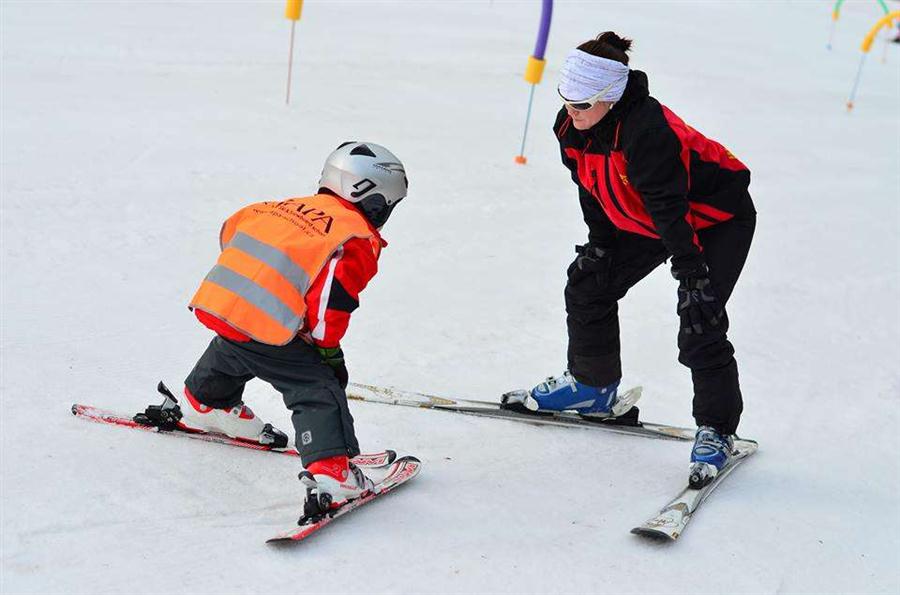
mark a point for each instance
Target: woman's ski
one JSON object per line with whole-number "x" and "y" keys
{"x": 671, "y": 521}
{"x": 626, "y": 424}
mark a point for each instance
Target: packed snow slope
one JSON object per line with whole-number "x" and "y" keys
{"x": 131, "y": 130}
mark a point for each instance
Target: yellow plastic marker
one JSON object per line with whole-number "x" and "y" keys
{"x": 293, "y": 9}
{"x": 534, "y": 70}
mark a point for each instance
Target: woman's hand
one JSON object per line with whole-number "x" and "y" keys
{"x": 698, "y": 304}
{"x": 592, "y": 261}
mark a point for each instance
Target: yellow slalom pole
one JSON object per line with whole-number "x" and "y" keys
{"x": 885, "y": 21}
{"x": 292, "y": 11}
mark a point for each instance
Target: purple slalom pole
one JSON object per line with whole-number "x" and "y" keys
{"x": 535, "y": 68}
{"x": 544, "y": 32}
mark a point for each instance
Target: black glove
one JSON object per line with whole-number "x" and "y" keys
{"x": 698, "y": 304}
{"x": 334, "y": 357}
{"x": 592, "y": 261}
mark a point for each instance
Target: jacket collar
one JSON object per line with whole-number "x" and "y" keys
{"x": 636, "y": 90}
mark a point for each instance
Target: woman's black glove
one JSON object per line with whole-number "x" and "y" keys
{"x": 334, "y": 357}
{"x": 698, "y": 304}
{"x": 592, "y": 261}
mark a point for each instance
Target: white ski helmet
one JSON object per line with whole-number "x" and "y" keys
{"x": 367, "y": 175}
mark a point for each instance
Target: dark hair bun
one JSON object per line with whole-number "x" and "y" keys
{"x": 610, "y": 38}
{"x": 608, "y": 45}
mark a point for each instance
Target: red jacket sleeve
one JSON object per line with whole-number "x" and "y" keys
{"x": 334, "y": 294}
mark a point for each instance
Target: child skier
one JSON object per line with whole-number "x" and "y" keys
{"x": 279, "y": 299}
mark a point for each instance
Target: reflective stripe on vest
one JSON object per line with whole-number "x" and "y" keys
{"x": 271, "y": 253}
{"x": 259, "y": 296}
{"x": 273, "y": 257}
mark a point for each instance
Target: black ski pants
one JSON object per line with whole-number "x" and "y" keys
{"x": 593, "y": 321}
{"x": 322, "y": 422}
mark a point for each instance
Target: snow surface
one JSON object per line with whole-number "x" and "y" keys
{"x": 130, "y": 130}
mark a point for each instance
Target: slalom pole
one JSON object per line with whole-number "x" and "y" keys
{"x": 856, "y": 83}
{"x": 535, "y": 68}
{"x": 520, "y": 158}
{"x": 291, "y": 11}
{"x": 887, "y": 40}
{"x": 835, "y": 15}
{"x": 885, "y": 21}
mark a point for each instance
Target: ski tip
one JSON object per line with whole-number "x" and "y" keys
{"x": 74, "y": 408}
{"x": 391, "y": 455}
{"x": 295, "y": 535}
{"x": 406, "y": 467}
{"x": 654, "y": 534}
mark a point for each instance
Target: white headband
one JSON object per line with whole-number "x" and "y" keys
{"x": 583, "y": 75}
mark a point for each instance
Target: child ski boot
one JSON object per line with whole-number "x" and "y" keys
{"x": 235, "y": 422}
{"x": 330, "y": 483}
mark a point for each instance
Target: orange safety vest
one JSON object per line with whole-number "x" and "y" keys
{"x": 272, "y": 253}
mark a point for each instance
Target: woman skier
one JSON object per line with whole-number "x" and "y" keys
{"x": 651, "y": 188}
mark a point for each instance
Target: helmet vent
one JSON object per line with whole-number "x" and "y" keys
{"x": 362, "y": 150}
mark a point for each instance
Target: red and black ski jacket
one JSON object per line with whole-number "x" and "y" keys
{"x": 642, "y": 170}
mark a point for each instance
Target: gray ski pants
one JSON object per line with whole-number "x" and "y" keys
{"x": 322, "y": 422}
